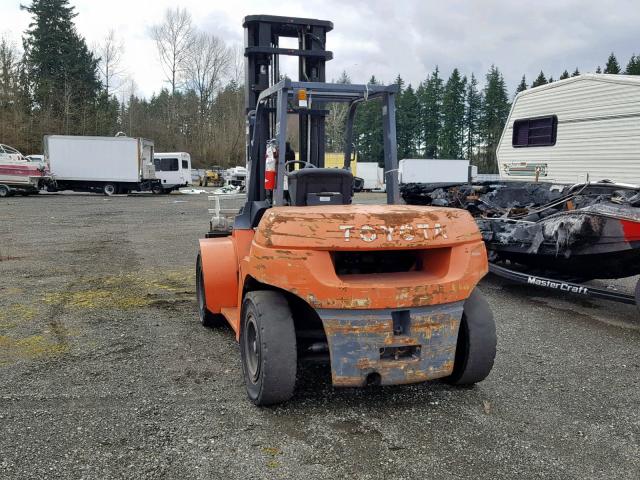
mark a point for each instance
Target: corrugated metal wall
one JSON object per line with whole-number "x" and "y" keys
{"x": 598, "y": 129}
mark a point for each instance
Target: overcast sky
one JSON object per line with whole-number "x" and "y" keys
{"x": 387, "y": 37}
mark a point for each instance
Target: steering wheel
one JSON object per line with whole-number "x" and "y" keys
{"x": 304, "y": 164}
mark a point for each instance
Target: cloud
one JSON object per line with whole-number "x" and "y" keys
{"x": 385, "y": 38}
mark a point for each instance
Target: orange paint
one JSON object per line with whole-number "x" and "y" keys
{"x": 292, "y": 247}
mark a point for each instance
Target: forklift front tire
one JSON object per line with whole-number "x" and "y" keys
{"x": 268, "y": 347}
{"x": 476, "y": 347}
{"x": 207, "y": 318}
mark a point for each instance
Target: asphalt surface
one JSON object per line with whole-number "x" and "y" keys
{"x": 105, "y": 372}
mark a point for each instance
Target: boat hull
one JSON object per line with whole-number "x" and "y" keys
{"x": 21, "y": 174}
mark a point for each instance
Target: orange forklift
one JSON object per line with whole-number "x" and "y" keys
{"x": 385, "y": 294}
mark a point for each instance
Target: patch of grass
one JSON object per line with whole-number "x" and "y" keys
{"x": 27, "y": 348}
{"x": 273, "y": 451}
{"x": 97, "y": 298}
{"x": 125, "y": 291}
{"x": 15, "y": 314}
{"x": 13, "y": 291}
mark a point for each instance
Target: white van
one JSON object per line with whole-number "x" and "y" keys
{"x": 174, "y": 171}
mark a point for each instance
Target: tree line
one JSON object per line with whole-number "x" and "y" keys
{"x": 452, "y": 119}
{"x": 58, "y": 84}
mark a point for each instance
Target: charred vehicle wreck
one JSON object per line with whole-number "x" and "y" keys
{"x": 550, "y": 235}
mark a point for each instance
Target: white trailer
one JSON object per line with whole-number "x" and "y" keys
{"x": 372, "y": 174}
{"x": 173, "y": 170}
{"x": 566, "y": 131}
{"x": 235, "y": 176}
{"x": 427, "y": 170}
{"x": 104, "y": 164}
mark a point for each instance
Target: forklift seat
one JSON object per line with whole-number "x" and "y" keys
{"x": 320, "y": 186}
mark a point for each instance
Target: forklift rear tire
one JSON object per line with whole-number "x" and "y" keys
{"x": 207, "y": 318}
{"x": 4, "y": 191}
{"x": 476, "y": 347}
{"x": 268, "y": 347}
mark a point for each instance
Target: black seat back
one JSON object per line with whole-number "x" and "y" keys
{"x": 320, "y": 186}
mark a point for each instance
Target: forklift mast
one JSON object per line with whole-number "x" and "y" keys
{"x": 262, "y": 70}
{"x": 270, "y": 98}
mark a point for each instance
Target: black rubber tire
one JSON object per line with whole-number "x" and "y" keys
{"x": 4, "y": 191}
{"x": 476, "y": 347}
{"x": 637, "y": 295}
{"x": 207, "y": 318}
{"x": 268, "y": 315}
{"x": 109, "y": 189}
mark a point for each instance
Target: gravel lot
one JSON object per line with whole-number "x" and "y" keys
{"x": 105, "y": 372}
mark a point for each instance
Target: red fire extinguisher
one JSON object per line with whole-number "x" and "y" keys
{"x": 270, "y": 165}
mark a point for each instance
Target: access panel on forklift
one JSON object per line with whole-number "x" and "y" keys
{"x": 385, "y": 294}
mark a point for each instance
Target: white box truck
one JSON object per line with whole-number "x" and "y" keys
{"x": 372, "y": 174}
{"x": 566, "y": 131}
{"x": 426, "y": 170}
{"x": 100, "y": 164}
{"x": 173, "y": 170}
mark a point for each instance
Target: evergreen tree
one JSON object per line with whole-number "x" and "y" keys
{"x": 431, "y": 112}
{"x": 368, "y": 130}
{"x": 612, "y": 65}
{"x": 576, "y": 72}
{"x": 540, "y": 80}
{"x": 472, "y": 117}
{"x": 551, "y": 80}
{"x": 408, "y": 123}
{"x": 633, "y": 67}
{"x": 451, "y": 138}
{"x": 335, "y": 121}
{"x": 598, "y": 70}
{"x": 9, "y": 69}
{"x": 107, "y": 115}
{"x": 495, "y": 110}
{"x": 61, "y": 71}
{"x": 14, "y": 116}
{"x": 564, "y": 75}
{"x": 522, "y": 86}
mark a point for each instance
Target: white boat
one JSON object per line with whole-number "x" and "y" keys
{"x": 18, "y": 173}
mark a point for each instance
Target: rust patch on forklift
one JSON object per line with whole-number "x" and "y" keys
{"x": 401, "y": 346}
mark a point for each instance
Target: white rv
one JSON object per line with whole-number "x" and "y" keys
{"x": 173, "y": 170}
{"x": 235, "y": 176}
{"x": 562, "y": 132}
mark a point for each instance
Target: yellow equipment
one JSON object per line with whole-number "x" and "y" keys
{"x": 212, "y": 177}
